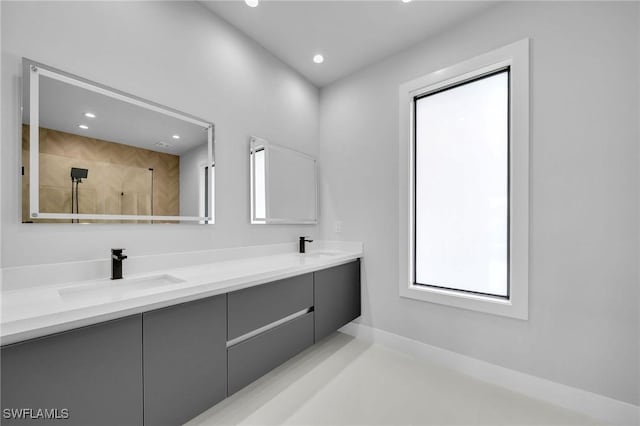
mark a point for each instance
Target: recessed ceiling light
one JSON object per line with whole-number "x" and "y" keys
{"x": 406, "y": 1}
{"x": 176, "y": 136}
{"x": 318, "y": 59}
{"x": 83, "y": 126}
{"x": 89, "y": 115}
{"x": 252, "y": 3}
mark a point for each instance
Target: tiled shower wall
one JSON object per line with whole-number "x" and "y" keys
{"x": 118, "y": 182}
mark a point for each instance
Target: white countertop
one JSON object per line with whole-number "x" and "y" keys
{"x": 26, "y": 313}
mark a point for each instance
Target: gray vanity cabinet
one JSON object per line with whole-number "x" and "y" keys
{"x": 284, "y": 307}
{"x": 166, "y": 366}
{"x": 93, "y": 372}
{"x": 255, "y": 307}
{"x": 185, "y": 360}
{"x": 336, "y": 297}
{"x": 254, "y": 357}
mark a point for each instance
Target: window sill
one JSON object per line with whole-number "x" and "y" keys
{"x": 475, "y": 302}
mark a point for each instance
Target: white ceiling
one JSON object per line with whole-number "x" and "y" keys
{"x": 350, "y": 34}
{"x": 62, "y": 107}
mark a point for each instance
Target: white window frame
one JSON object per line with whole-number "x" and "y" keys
{"x": 516, "y": 57}
{"x": 201, "y": 191}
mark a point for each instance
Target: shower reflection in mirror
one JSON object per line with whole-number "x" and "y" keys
{"x": 77, "y": 175}
{"x": 148, "y": 163}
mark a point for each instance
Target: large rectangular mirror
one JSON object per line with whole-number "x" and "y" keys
{"x": 284, "y": 188}
{"x": 94, "y": 154}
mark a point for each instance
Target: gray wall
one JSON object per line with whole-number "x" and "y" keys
{"x": 174, "y": 53}
{"x": 583, "y": 323}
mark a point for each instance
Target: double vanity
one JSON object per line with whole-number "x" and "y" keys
{"x": 161, "y": 347}
{"x": 171, "y": 335}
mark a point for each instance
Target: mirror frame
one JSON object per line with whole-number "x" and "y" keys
{"x": 31, "y": 73}
{"x": 255, "y": 143}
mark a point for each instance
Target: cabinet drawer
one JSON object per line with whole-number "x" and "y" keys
{"x": 255, "y": 307}
{"x": 256, "y": 356}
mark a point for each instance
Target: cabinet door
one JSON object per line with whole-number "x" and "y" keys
{"x": 185, "y": 360}
{"x": 336, "y": 297}
{"x": 93, "y": 372}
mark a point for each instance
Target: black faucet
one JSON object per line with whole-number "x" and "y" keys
{"x": 302, "y": 245}
{"x": 116, "y": 263}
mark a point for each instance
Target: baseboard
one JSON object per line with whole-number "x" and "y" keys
{"x": 588, "y": 403}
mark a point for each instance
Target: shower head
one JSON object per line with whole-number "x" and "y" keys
{"x": 78, "y": 174}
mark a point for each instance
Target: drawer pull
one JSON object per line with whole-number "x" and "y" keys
{"x": 267, "y": 327}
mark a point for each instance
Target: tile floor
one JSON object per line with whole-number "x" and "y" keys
{"x": 347, "y": 381}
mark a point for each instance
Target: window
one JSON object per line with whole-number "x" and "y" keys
{"x": 258, "y": 172}
{"x": 461, "y": 186}
{"x": 207, "y": 174}
{"x": 464, "y": 184}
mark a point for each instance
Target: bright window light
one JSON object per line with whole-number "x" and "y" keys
{"x": 462, "y": 186}
{"x": 260, "y": 207}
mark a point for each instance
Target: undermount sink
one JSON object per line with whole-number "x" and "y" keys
{"x": 320, "y": 254}
{"x": 122, "y": 287}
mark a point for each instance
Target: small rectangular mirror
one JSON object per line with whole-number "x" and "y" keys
{"x": 93, "y": 154}
{"x": 284, "y": 188}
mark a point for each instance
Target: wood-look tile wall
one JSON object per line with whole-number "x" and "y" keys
{"x": 119, "y": 179}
